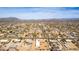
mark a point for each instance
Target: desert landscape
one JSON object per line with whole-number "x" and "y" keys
{"x": 35, "y": 35}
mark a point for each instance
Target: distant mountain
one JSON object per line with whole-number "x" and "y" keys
{"x": 9, "y": 19}
{"x": 40, "y": 20}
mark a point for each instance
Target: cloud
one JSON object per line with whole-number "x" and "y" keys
{"x": 40, "y": 13}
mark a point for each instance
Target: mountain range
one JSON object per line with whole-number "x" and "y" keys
{"x": 47, "y": 20}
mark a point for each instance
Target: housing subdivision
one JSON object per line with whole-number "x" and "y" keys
{"x": 41, "y": 36}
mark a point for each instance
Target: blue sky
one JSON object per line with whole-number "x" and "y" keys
{"x": 39, "y": 12}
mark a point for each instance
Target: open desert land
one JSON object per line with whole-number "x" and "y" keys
{"x": 39, "y": 35}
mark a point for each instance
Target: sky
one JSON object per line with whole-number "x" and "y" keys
{"x": 39, "y": 12}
